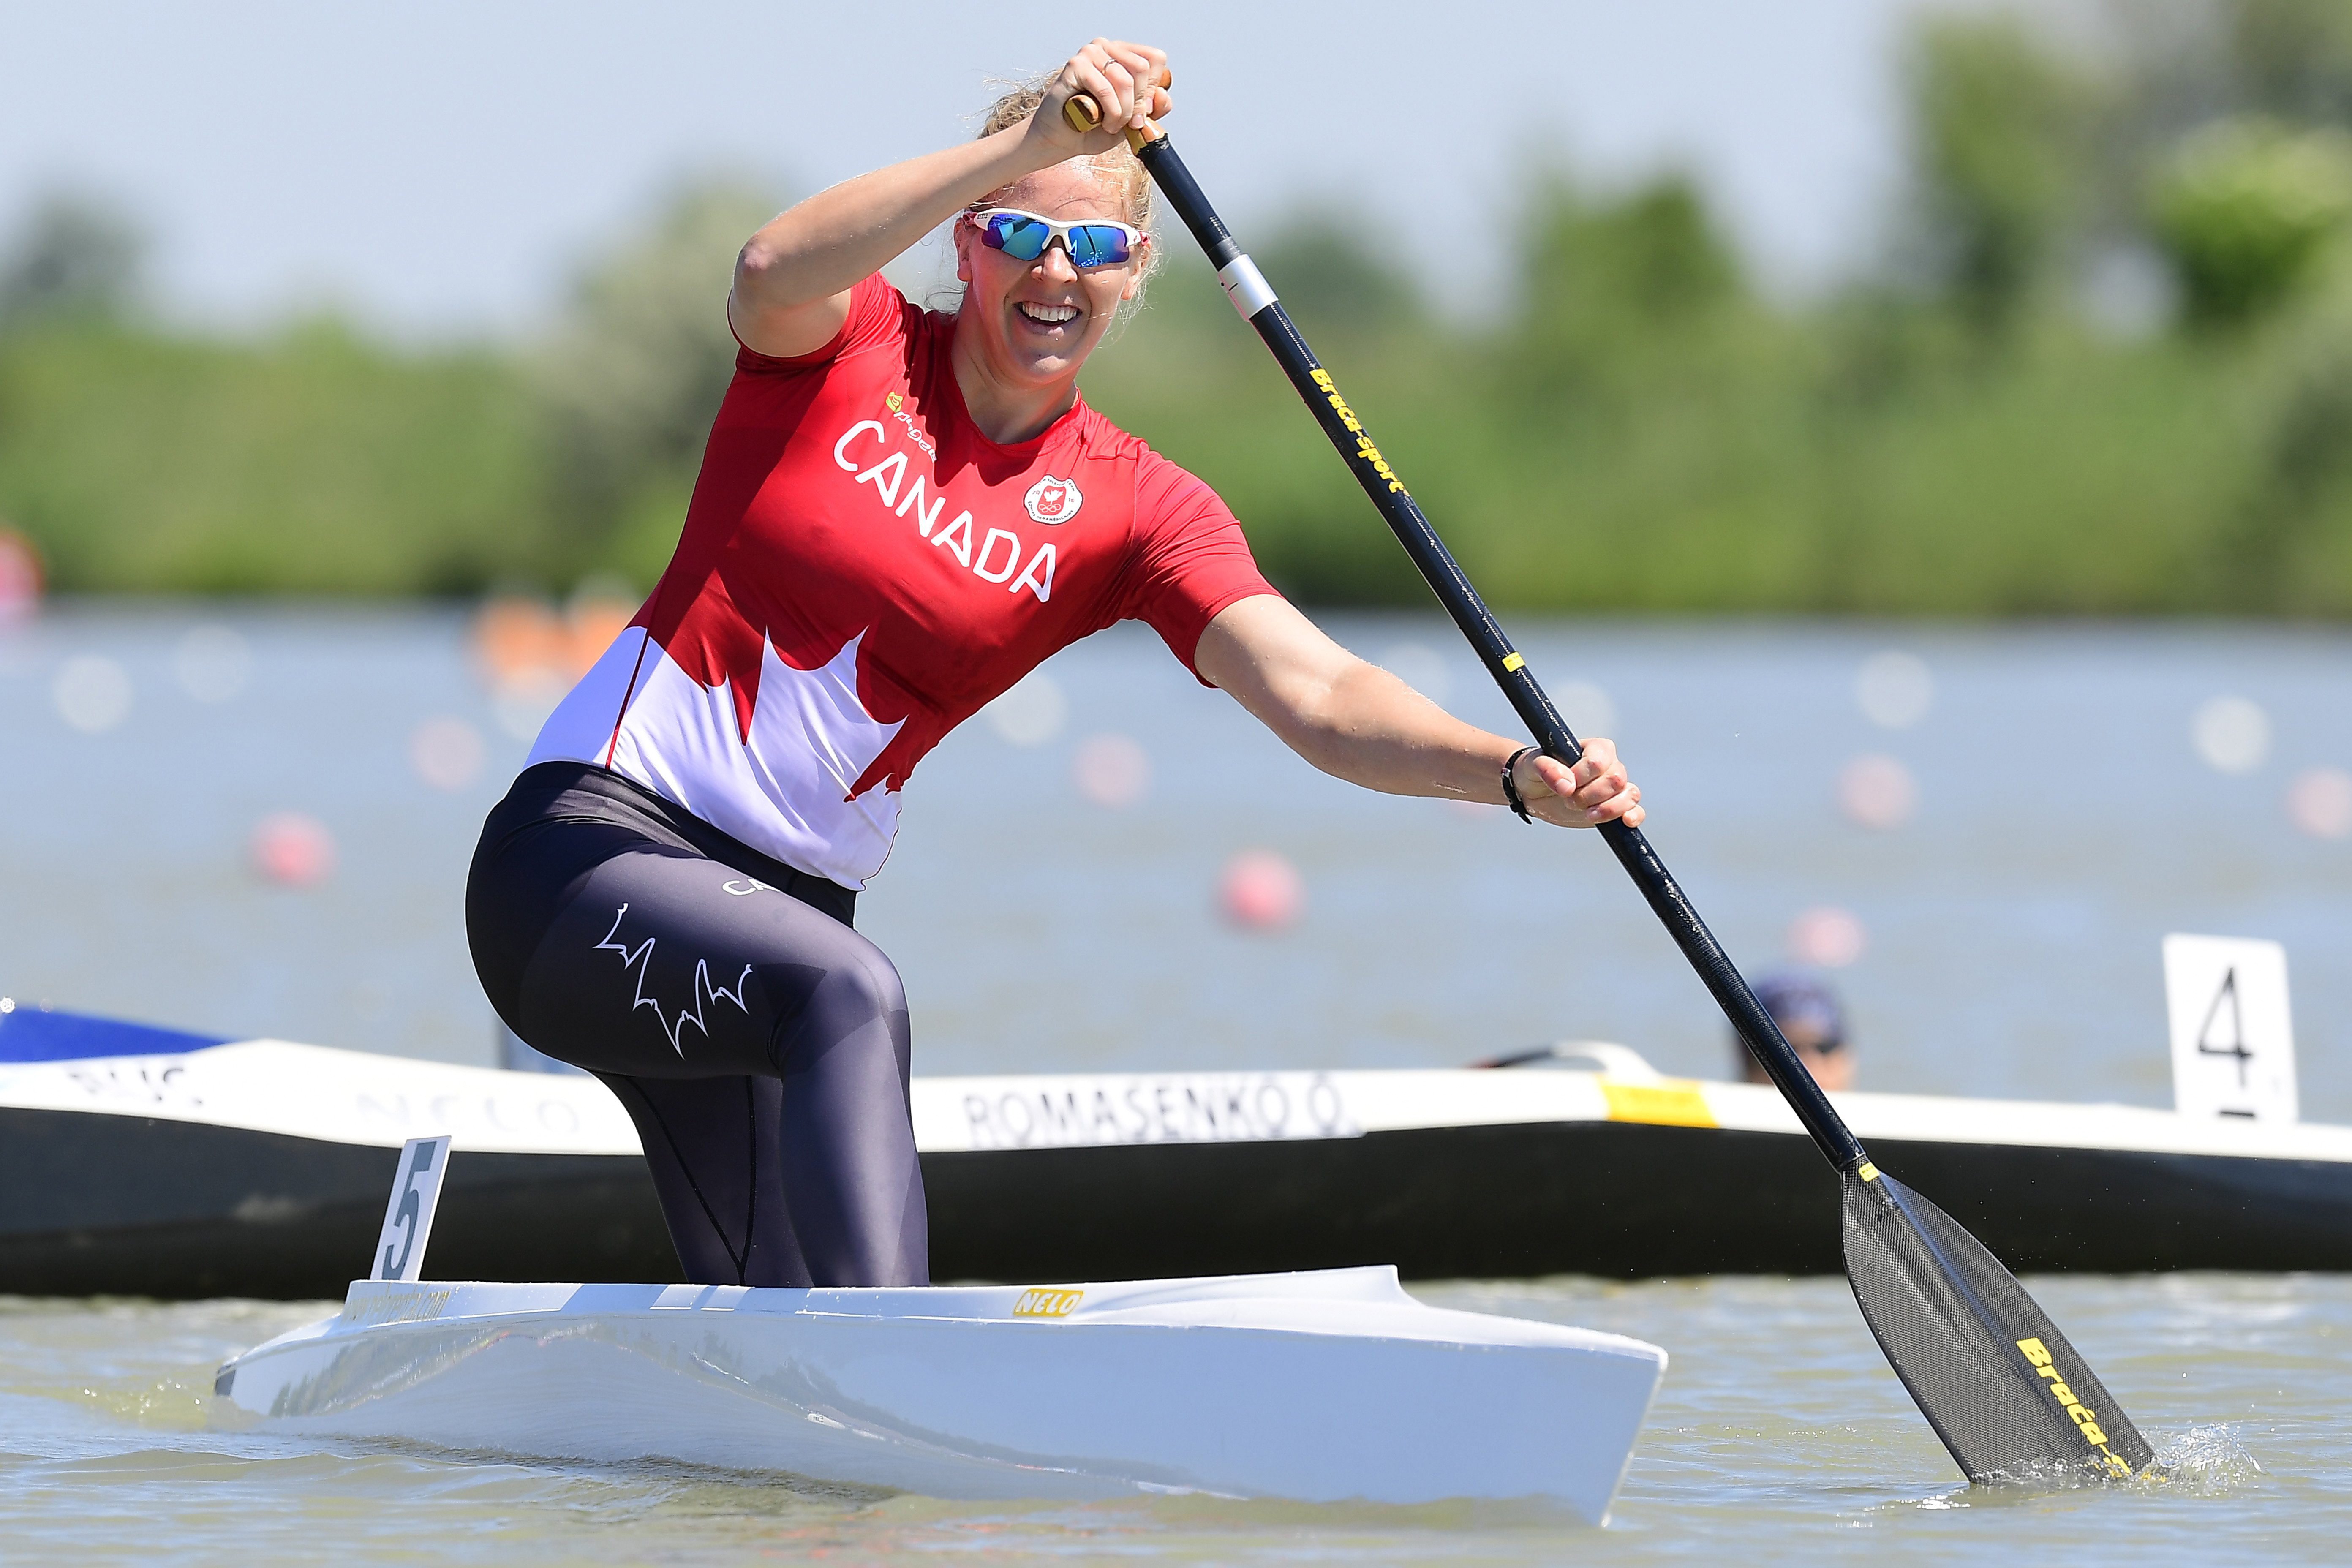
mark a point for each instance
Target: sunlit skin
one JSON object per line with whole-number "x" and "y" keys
{"x": 1018, "y": 374}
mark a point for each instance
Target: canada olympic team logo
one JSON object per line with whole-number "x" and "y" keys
{"x": 1052, "y": 501}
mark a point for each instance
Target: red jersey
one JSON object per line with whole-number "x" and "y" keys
{"x": 861, "y": 570}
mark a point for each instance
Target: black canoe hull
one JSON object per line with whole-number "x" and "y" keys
{"x": 94, "y": 1204}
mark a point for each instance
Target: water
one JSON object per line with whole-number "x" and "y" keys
{"x": 1779, "y": 1433}
{"x": 2063, "y": 823}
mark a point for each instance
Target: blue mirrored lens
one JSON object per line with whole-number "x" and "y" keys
{"x": 1022, "y": 238}
{"x": 1096, "y": 245}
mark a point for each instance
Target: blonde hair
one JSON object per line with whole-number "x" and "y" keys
{"x": 1120, "y": 169}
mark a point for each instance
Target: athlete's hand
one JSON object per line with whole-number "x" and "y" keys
{"x": 1593, "y": 792}
{"x": 1114, "y": 75}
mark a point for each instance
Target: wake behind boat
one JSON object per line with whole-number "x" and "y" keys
{"x": 151, "y": 1162}
{"x": 1321, "y": 1386}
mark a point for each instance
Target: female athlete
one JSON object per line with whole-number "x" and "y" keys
{"x": 899, "y": 514}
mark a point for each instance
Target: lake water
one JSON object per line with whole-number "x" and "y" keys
{"x": 2001, "y": 935}
{"x": 1778, "y": 1434}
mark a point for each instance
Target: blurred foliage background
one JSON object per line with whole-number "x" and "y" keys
{"x": 2103, "y": 366}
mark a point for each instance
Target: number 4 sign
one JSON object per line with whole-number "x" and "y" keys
{"x": 408, "y": 1219}
{"x": 2232, "y": 1037}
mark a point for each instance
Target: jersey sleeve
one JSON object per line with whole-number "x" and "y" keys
{"x": 1190, "y": 558}
{"x": 878, "y": 314}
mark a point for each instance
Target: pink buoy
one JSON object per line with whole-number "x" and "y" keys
{"x": 292, "y": 850}
{"x": 1877, "y": 792}
{"x": 1112, "y": 770}
{"x": 20, "y": 576}
{"x": 1827, "y": 936}
{"x": 446, "y": 753}
{"x": 1260, "y": 890}
{"x": 2320, "y": 801}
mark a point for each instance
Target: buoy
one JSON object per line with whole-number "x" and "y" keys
{"x": 1877, "y": 792}
{"x": 292, "y": 850}
{"x": 20, "y": 576}
{"x": 1112, "y": 770}
{"x": 446, "y": 753}
{"x": 1893, "y": 689}
{"x": 1032, "y": 713}
{"x": 1261, "y": 890}
{"x": 92, "y": 693}
{"x": 2320, "y": 801}
{"x": 1827, "y": 936}
{"x": 2231, "y": 733}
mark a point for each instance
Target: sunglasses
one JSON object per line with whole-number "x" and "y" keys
{"x": 1024, "y": 236}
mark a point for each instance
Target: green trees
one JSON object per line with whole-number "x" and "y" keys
{"x": 628, "y": 382}
{"x": 2292, "y": 59}
{"x": 311, "y": 461}
{"x": 2246, "y": 209}
{"x": 2000, "y": 127}
{"x": 314, "y": 460}
{"x": 77, "y": 261}
{"x": 1623, "y": 421}
{"x": 308, "y": 462}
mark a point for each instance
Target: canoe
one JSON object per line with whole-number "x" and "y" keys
{"x": 1319, "y": 1387}
{"x": 154, "y": 1162}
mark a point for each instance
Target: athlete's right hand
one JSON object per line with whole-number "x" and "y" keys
{"x": 1113, "y": 73}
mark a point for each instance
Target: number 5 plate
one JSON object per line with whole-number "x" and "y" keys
{"x": 408, "y": 1217}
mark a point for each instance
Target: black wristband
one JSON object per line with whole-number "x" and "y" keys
{"x": 1510, "y": 786}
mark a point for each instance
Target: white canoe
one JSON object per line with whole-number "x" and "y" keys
{"x": 1317, "y": 1386}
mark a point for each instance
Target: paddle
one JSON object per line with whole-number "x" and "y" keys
{"x": 2000, "y": 1385}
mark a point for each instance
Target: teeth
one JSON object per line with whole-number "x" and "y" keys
{"x": 1049, "y": 315}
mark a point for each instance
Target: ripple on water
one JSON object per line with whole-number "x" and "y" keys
{"x": 1780, "y": 1434}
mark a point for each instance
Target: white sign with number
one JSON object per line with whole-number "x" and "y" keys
{"x": 408, "y": 1219}
{"x": 2232, "y": 1037}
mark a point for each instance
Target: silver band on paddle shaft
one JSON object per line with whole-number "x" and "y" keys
{"x": 1511, "y": 786}
{"x": 1245, "y": 286}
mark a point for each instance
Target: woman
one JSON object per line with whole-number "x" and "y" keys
{"x": 899, "y": 514}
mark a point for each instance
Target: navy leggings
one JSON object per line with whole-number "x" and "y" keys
{"x": 759, "y": 1042}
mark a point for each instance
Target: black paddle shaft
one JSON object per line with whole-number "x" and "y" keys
{"x": 2006, "y": 1392}
{"x": 1247, "y": 288}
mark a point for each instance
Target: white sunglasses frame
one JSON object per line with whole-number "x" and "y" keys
{"x": 1059, "y": 234}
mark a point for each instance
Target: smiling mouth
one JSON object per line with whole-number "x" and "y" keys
{"x": 1047, "y": 315}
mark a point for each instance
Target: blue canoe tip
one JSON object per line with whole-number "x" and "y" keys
{"x": 29, "y": 1033}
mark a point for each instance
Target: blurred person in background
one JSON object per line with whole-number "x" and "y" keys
{"x": 899, "y": 514}
{"x": 1813, "y": 1023}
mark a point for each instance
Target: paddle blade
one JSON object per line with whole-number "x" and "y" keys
{"x": 2002, "y": 1388}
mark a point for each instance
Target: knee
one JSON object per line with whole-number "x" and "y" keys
{"x": 856, "y": 1003}
{"x": 866, "y": 988}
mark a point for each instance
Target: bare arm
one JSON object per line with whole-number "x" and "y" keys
{"x": 1357, "y": 721}
{"x": 792, "y": 278}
